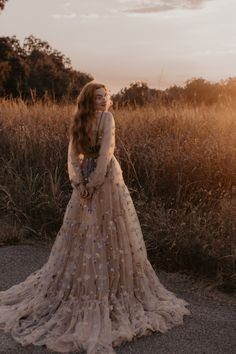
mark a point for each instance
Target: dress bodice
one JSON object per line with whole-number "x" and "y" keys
{"x": 95, "y": 134}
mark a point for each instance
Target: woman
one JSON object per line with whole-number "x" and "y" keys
{"x": 98, "y": 288}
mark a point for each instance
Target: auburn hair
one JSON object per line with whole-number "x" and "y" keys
{"x": 83, "y": 118}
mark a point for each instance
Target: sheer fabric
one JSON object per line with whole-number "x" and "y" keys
{"x": 97, "y": 289}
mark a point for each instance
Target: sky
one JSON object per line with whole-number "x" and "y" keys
{"x": 118, "y": 42}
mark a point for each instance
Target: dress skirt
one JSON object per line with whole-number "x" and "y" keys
{"x": 98, "y": 288}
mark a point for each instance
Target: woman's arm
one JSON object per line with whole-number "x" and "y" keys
{"x": 73, "y": 164}
{"x": 106, "y": 151}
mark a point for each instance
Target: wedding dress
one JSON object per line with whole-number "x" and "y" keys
{"x": 97, "y": 289}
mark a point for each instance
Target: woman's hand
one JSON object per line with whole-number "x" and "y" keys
{"x": 84, "y": 191}
{"x": 90, "y": 190}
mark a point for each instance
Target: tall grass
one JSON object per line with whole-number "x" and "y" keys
{"x": 178, "y": 162}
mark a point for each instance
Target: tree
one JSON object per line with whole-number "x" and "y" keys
{"x": 199, "y": 90}
{"x": 173, "y": 94}
{"x": 228, "y": 88}
{"x": 36, "y": 67}
{"x": 14, "y": 67}
{"x": 137, "y": 94}
{"x": 2, "y": 4}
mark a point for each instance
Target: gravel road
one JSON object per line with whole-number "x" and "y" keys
{"x": 211, "y": 328}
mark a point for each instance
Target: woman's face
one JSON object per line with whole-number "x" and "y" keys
{"x": 101, "y": 99}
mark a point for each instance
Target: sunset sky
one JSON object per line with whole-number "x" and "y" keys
{"x": 161, "y": 42}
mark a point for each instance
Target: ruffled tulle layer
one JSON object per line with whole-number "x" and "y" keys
{"x": 68, "y": 324}
{"x": 98, "y": 288}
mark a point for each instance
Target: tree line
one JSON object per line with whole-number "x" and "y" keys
{"x": 195, "y": 92}
{"x": 34, "y": 70}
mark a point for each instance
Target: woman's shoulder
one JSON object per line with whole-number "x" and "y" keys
{"x": 108, "y": 117}
{"x": 108, "y": 114}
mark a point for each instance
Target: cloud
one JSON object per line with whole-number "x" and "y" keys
{"x": 64, "y": 16}
{"x": 113, "y": 11}
{"x": 143, "y": 7}
{"x": 217, "y": 52}
{"x": 68, "y": 14}
{"x": 74, "y": 15}
{"x": 67, "y": 4}
{"x": 86, "y": 16}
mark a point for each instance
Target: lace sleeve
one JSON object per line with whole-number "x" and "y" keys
{"x": 74, "y": 165}
{"x": 106, "y": 151}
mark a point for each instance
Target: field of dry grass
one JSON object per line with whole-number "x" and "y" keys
{"x": 178, "y": 162}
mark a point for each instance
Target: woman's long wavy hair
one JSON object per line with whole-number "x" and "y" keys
{"x": 81, "y": 123}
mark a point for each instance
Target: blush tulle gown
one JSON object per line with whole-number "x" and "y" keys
{"x": 97, "y": 289}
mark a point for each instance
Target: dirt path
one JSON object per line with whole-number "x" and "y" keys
{"x": 211, "y": 328}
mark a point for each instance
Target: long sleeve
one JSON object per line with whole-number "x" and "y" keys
{"x": 106, "y": 151}
{"x": 73, "y": 163}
